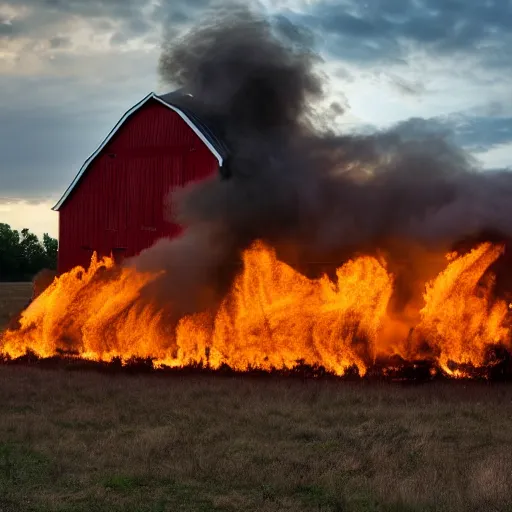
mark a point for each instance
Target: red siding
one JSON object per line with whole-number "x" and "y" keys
{"x": 119, "y": 204}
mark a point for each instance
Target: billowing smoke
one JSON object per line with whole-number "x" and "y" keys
{"x": 315, "y": 196}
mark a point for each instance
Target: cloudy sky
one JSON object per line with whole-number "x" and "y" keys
{"x": 70, "y": 68}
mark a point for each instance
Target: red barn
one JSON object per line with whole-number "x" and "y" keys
{"x": 117, "y": 202}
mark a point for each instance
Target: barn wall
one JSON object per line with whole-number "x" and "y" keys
{"x": 119, "y": 204}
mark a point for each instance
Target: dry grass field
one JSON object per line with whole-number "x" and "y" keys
{"x": 72, "y": 441}
{"x": 85, "y": 441}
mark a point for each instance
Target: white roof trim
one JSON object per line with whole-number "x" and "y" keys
{"x": 195, "y": 129}
{"x": 138, "y": 105}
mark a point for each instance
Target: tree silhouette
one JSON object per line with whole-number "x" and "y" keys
{"x": 23, "y": 255}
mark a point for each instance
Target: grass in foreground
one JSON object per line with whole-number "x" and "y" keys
{"x": 89, "y": 442}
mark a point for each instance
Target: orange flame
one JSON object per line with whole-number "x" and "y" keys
{"x": 272, "y": 317}
{"x": 459, "y": 316}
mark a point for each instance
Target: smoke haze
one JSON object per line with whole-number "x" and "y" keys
{"x": 317, "y": 197}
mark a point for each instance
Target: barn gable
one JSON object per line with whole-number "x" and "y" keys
{"x": 119, "y": 202}
{"x": 171, "y": 101}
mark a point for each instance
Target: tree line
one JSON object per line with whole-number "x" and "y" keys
{"x": 23, "y": 254}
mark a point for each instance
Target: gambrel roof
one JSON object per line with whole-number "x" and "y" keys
{"x": 180, "y": 103}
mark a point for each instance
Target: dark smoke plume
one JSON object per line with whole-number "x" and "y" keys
{"x": 317, "y": 197}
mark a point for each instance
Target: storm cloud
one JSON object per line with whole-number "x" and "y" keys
{"x": 71, "y": 68}
{"x": 376, "y": 30}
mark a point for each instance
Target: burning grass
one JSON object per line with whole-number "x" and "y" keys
{"x": 86, "y": 441}
{"x": 274, "y": 317}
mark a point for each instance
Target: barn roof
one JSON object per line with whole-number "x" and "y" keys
{"x": 192, "y": 108}
{"x": 180, "y": 103}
